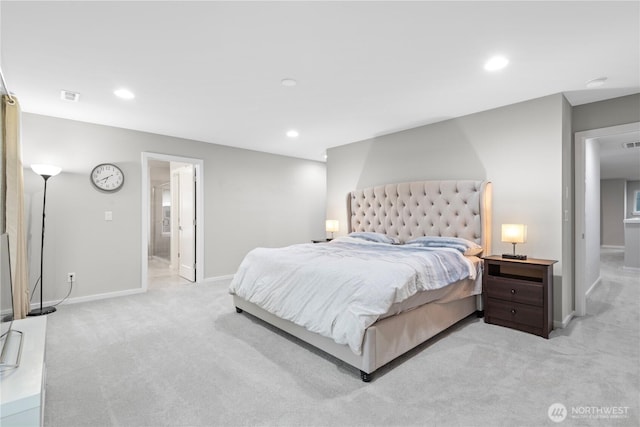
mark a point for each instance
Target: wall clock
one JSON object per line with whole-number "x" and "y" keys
{"x": 107, "y": 177}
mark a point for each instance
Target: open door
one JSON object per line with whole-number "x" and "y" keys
{"x": 192, "y": 251}
{"x": 186, "y": 222}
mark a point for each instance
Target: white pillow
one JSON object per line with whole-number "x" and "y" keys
{"x": 465, "y": 246}
{"x": 374, "y": 237}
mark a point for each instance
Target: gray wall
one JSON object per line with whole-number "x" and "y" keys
{"x": 612, "y": 196}
{"x": 612, "y": 112}
{"x": 519, "y": 148}
{"x": 251, "y": 199}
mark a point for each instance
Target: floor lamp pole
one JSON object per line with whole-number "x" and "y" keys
{"x": 42, "y": 310}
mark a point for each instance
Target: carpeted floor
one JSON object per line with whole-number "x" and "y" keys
{"x": 182, "y": 356}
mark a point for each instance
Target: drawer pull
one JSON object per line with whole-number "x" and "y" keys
{"x": 513, "y": 311}
{"x": 513, "y": 291}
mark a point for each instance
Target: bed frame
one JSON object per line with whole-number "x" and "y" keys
{"x": 408, "y": 210}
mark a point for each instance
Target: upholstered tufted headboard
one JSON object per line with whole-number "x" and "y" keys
{"x": 425, "y": 208}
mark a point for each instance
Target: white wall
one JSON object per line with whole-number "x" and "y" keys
{"x": 2, "y": 208}
{"x": 592, "y": 211}
{"x": 251, "y": 199}
{"x": 566, "y": 294}
{"x": 519, "y": 148}
{"x": 612, "y": 203}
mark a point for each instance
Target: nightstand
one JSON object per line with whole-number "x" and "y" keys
{"x": 518, "y": 294}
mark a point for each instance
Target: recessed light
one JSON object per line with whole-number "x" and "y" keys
{"x": 292, "y": 133}
{"x": 288, "y": 82}
{"x": 124, "y": 94}
{"x": 596, "y": 82}
{"x": 496, "y": 63}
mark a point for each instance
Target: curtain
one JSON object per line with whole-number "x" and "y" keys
{"x": 13, "y": 202}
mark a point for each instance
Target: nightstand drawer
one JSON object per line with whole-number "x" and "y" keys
{"x": 514, "y": 312}
{"x": 516, "y": 291}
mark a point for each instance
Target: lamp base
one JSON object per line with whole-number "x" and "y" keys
{"x": 41, "y": 311}
{"x": 511, "y": 256}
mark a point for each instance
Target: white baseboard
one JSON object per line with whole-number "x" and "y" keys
{"x": 634, "y": 269}
{"x": 612, "y": 247}
{"x": 563, "y": 324}
{"x": 116, "y": 294}
{"x": 218, "y": 278}
{"x": 87, "y": 298}
{"x": 593, "y": 286}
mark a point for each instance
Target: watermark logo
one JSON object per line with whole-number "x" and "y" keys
{"x": 557, "y": 412}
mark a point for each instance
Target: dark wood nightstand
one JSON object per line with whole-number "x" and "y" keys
{"x": 518, "y": 294}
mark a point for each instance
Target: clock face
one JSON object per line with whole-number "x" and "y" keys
{"x": 107, "y": 177}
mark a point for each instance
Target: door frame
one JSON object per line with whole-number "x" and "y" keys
{"x": 198, "y": 165}
{"x": 582, "y": 289}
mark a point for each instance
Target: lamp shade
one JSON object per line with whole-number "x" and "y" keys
{"x": 46, "y": 170}
{"x": 332, "y": 225}
{"x": 514, "y": 233}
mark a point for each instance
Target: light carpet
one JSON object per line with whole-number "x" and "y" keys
{"x": 182, "y": 356}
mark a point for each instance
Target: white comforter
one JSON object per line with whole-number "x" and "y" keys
{"x": 338, "y": 289}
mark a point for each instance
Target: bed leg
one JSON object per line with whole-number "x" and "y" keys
{"x": 238, "y": 310}
{"x": 480, "y": 314}
{"x": 365, "y": 377}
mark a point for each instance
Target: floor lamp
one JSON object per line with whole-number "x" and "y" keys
{"x": 46, "y": 172}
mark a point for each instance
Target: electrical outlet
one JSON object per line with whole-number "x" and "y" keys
{"x": 71, "y": 277}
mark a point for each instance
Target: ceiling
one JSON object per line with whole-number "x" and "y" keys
{"x": 212, "y": 71}
{"x": 617, "y": 161}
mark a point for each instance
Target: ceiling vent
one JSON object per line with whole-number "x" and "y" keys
{"x": 67, "y": 95}
{"x": 631, "y": 144}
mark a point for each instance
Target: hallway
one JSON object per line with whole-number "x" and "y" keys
{"x": 161, "y": 276}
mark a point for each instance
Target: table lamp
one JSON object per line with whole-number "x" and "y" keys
{"x": 514, "y": 233}
{"x": 332, "y": 226}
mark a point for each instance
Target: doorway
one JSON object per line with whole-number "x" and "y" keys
{"x": 587, "y": 209}
{"x": 172, "y": 238}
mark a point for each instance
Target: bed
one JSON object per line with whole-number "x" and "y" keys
{"x": 450, "y": 210}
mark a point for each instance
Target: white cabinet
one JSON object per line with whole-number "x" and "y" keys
{"x": 22, "y": 389}
{"x": 632, "y": 244}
